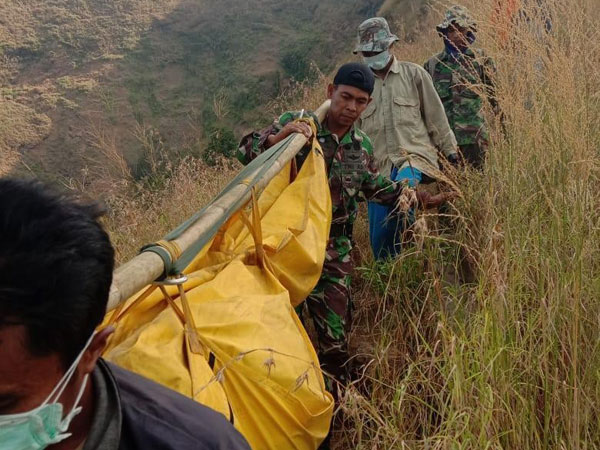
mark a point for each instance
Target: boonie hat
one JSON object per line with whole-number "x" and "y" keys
{"x": 458, "y": 15}
{"x": 374, "y": 35}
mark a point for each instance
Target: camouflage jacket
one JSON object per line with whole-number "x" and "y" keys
{"x": 350, "y": 167}
{"x": 453, "y": 78}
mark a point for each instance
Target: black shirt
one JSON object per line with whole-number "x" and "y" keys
{"x": 135, "y": 413}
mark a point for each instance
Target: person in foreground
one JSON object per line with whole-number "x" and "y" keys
{"x": 352, "y": 175}
{"x": 56, "y": 392}
{"x": 408, "y": 126}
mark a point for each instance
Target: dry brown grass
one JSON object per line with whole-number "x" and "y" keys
{"x": 137, "y": 217}
{"x": 142, "y": 210}
{"x": 511, "y": 360}
{"x": 20, "y": 126}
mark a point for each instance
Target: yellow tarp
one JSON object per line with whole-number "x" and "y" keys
{"x": 264, "y": 369}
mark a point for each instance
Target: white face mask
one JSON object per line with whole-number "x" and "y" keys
{"x": 379, "y": 61}
{"x": 44, "y": 425}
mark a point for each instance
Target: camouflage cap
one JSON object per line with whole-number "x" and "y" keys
{"x": 458, "y": 15}
{"x": 374, "y": 35}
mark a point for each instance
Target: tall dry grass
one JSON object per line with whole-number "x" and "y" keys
{"x": 143, "y": 208}
{"x": 137, "y": 216}
{"x": 512, "y": 359}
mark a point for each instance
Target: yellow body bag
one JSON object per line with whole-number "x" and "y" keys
{"x": 249, "y": 357}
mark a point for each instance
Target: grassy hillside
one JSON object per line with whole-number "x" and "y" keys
{"x": 186, "y": 72}
{"x": 53, "y": 56}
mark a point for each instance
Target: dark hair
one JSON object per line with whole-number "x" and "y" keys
{"x": 56, "y": 265}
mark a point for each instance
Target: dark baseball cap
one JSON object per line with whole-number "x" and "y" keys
{"x": 357, "y": 75}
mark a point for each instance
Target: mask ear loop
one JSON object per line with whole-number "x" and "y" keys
{"x": 60, "y": 387}
{"x": 64, "y": 424}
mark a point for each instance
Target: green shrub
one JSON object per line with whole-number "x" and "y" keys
{"x": 222, "y": 142}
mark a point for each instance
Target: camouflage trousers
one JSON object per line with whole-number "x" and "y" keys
{"x": 330, "y": 305}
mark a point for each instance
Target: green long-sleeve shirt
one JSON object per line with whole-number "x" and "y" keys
{"x": 462, "y": 82}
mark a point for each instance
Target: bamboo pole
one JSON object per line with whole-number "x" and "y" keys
{"x": 146, "y": 267}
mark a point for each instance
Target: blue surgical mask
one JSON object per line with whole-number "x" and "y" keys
{"x": 44, "y": 425}
{"x": 379, "y": 61}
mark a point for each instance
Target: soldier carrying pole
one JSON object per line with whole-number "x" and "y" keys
{"x": 353, "y": 176}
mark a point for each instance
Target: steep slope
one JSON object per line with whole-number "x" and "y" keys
{"x": 86, "y": 79}
{"x": 53, "y": 54}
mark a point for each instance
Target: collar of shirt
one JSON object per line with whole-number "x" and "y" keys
{"x": 394, "y": 68}
{"x": 323, "y": 132}
{"x": 105, "y": 432}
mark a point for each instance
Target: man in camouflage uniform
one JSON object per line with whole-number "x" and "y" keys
{"x": 352, "y": 176}
{"x": 462, "y": 78}
{"x": 408, "y": 126}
